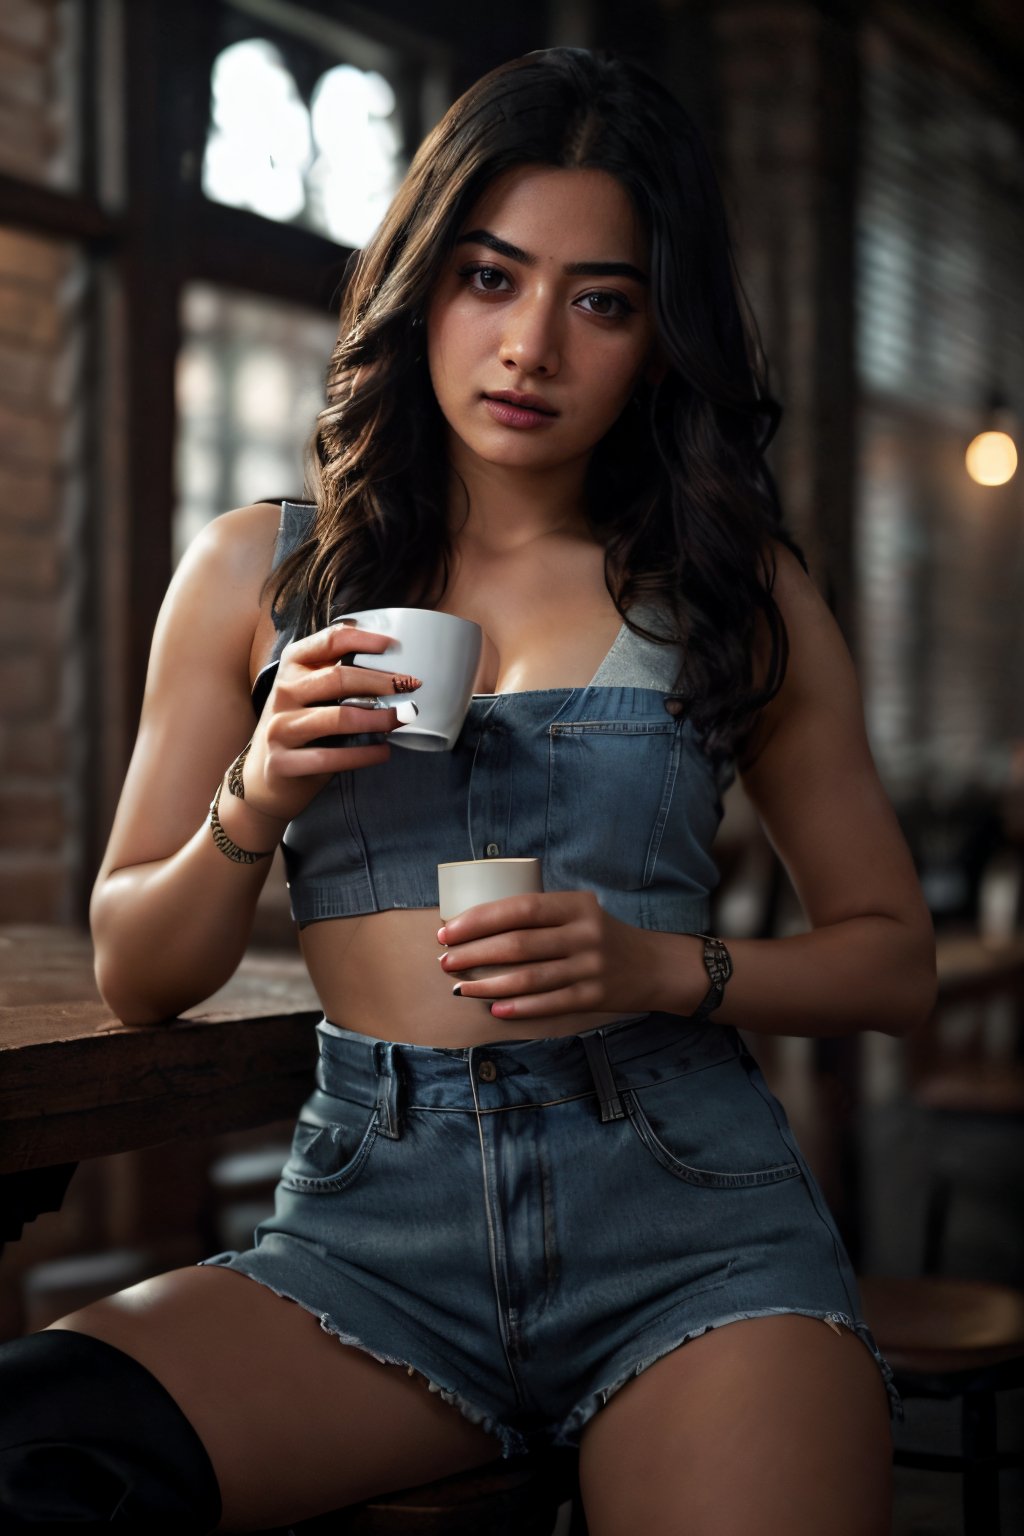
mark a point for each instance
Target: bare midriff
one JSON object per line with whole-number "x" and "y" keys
{"x": 379, "y": 975}
{"x": 546, "y": 625}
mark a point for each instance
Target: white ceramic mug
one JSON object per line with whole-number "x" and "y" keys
{"x": 440, "y": 648}
{"x": 470, "y": 882}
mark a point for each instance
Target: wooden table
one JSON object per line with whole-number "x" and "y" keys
{"x": 76, "y": 1083}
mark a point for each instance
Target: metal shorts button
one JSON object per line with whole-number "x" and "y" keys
{"x": 492, "y": 850}
{"x": 487, "y": 1071}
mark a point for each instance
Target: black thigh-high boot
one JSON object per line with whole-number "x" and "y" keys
{"x": 88, "y": 1434}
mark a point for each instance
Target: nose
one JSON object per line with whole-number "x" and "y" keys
{"x": 532, "y": 340}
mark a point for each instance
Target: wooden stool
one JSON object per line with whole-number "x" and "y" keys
{"x": 519, "y": 1497}
{"x": 947, "y": 1339}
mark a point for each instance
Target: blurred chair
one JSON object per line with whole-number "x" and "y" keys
{"x": 950, "y": 1339}
{"x": 963, "y": 1338}
{"x": 967, "y": 1073}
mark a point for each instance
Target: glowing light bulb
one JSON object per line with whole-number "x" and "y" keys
{"x": 991, "y": 458}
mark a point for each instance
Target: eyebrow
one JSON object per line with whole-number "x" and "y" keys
{"x": 571, "y": 269}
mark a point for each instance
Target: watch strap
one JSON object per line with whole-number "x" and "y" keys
{"x": 718, "y": 964}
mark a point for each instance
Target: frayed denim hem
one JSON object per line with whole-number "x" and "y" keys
{"x": 511, "y": 1441}
{"x": 568, "y": 1431}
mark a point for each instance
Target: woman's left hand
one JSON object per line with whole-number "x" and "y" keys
{"x": 564, "y": 954}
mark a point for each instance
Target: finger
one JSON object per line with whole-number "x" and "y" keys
{"x": 336, "y": 640}
{"x": 541, "y": 980}
{"x": 533, "y": 909}
{"x": 299, "y": 688}
{"x": 330, "y": 760}
{"x": 368, "y": 680}
{"x": 523, "y": 946}
{"x": 301, "y": 726}
{"x": 579, "y": 997}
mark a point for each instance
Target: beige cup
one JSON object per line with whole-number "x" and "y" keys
{"x": 470, "y": 882}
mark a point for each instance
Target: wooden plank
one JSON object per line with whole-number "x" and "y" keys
{"x": 95, "y": 1132}
{"x": 75, "y": 1082}
{"x": 235, "y": 248}
{"x": 114, "y": 1064}
{"x": 46, "y": 211}
{"x": 41, "y": 964}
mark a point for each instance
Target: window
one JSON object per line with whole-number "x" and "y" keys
{"x": 249, "y": 385}
{"x": 312, "y": 120}
{"x": 333, "y": 164}
{"x": 940, "y": 323}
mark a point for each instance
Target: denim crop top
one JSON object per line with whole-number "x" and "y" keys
{"x": 609, "y": 789}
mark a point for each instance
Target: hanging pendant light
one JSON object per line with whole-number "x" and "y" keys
{"x": 991, "y": 456}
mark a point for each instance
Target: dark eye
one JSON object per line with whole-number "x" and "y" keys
{"x": 483, "y": 279}
{"x": 610, "y": 306}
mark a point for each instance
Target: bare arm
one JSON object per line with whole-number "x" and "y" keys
{"x": 868, "y": 961}
{"x": 170, "y": 913}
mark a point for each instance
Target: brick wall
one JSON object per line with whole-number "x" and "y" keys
{"x": 38, "y": 42}
{"x": 40, "y": 675}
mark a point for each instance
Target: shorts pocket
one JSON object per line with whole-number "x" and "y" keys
{"x": 710, "y": 1130}
{"x": 331, "y": 1143}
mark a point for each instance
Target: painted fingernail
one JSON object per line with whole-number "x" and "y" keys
{"x": 442, "y": 937}
{"x": 406, "y": 683}
{"x": 457, "y": 989}
{"x": 406, "y": 712}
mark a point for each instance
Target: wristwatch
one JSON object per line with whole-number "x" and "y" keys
{"x": 718, "y": 964}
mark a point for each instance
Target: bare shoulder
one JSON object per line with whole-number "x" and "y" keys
{"x": 809, "y": 620}
{"x": 245, "y": 535}
{"x": 217, "y": 593}
{"x": 235, "y": 548}
{"x": 819, "y": 665}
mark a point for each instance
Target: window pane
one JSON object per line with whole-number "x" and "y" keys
{"x": 40, "y": 63}
{"x": 250, "y": 383}
{"x": 940, "y": 237}
{"x": 940, "y": 322}
{"x": 303, "y": 131}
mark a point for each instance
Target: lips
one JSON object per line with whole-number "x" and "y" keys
{"x": 522, "y": 402}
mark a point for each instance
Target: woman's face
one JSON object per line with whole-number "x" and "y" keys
{"x": 545, "y": 295}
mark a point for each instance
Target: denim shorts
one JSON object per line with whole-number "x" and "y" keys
{"x": 529, "y": 1225}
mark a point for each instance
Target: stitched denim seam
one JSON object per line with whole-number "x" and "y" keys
{"x": 333, "y": 1183}
{"x": 704, "y": 1178}
{"x": 497, "y": 1109}
{"x": 664, "y": 809}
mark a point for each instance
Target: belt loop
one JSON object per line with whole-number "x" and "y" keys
{"x": 388, "y": 1087}
{"x": 601, "y": 1071}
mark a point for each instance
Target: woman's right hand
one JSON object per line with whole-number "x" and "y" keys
{"x": 292, "y": 756}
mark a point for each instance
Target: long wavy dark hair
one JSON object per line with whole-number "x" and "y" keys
{"x": 678, "y": 491}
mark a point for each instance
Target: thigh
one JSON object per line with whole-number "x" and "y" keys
{"x": 771, "y": 1426}
{"x": 295, "y": 1422}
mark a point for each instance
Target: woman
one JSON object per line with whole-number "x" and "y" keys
{"x": 509, "y": 1203}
